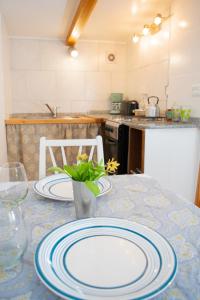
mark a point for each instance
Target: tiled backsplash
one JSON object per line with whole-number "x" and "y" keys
{"x": 165, "y": 65}
{"x": 43, "y": 72}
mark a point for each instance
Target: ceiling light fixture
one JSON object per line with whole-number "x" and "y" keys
{"x": 135, "y": 38}
{"x": 150, "y": 29}
{"x": 183, "y": 24}
{"x": 73, "y": 52}
{"x": 146, "y": 30}
{"x": 158, "y": 19}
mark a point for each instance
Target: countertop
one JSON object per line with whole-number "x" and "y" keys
{"x": 133, "y": 122}
{"x": 135, "y": 198}
{"x": 159, "y": 124}
{"x": 150, "y": 123}
{"x": 46, "y": 119}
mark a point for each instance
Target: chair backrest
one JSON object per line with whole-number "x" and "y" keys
{"x": 44, "y": 144}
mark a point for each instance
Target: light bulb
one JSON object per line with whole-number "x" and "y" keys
{"x": 135, "y": 38}
{"x": 73, "y": 52}
{"x": 145, "y": 30}
{"x": 183, "y": 24}
{"x": 134, "y": 8}
{"x": 158, "y": 19}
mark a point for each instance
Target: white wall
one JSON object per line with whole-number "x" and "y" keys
{"x": 185, "y": 54}
{"x": 43, "y": 72}
{"x": 157, "y": 61}
{"x": 148, "y": 63}
{"x": 5, "y": 99}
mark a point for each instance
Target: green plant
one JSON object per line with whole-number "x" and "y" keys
{"x": 87, "y": 171}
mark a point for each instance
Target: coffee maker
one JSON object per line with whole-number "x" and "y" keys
{"x": 116, "y": 100}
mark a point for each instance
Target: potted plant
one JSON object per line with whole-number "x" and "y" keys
{"x": 85, "y": 175}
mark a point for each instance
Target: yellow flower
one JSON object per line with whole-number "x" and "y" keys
{"x": 82, "y": 157}
{"x": 112, "y": 166}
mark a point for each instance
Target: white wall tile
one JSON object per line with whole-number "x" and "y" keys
{"x": 98, "y": 86}
{"x": 180, "y": 92}
{"x": 65, "y": 105}
{"x": 53, "y": 54}
{"x": 79, "y": 106}
{"x": 184, "y": 54}
{"x": 41, "y": 85}
{"x": 19, "y": 85}
{"x": 71, "y": 85}
{"x": 99, "y": 105}
{"x": 43, "y": 71}
{"x": 25, "y": 54}
{"x": 28, "y": 106}
{"x": 119, "y": 82}
{"x": 148, "y": 67}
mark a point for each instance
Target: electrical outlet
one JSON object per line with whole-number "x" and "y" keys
{"x": 196, "y": 90}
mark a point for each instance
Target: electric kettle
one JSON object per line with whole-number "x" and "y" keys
{"x": 153, "y": 109}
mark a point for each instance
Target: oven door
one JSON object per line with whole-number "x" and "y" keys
{"x": 110, "y": 148}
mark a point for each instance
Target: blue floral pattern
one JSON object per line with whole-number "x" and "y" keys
{"x": 136, "y": 198}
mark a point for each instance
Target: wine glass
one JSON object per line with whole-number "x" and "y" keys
{"x": 13, "y": 191}
{"x": 13, "y": 183}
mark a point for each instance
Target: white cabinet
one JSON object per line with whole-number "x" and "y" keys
{"x": 171, "y": 156}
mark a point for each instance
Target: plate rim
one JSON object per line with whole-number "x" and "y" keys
{"x": 57, "y": 198}
{"x": 149, "y": 295}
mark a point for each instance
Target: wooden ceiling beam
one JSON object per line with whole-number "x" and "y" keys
{"x": 80, "y": 18}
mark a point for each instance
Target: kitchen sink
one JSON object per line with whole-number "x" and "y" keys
{"x": 45, "y": 117}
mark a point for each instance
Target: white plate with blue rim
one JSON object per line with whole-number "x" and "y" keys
{"x": 105, "y": 258}
{"x": 59, "y": 187}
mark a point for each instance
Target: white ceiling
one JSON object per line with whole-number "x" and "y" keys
{"x": 38, "y": 18}
{"x": 110, "y": 20}
{"x": 114, "y": 19}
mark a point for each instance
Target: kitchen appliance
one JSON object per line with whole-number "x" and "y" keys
{"x": 116, "y": 108}
{"x": 153, "y": 109}
{"x": 128, "y": 107}
{"x": 116, "y": 100}
{"x": 115, "y": 140}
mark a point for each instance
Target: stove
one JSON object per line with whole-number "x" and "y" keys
{"x": 115, "y": 139}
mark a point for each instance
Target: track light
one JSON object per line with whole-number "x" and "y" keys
{"x": 135, "y": 38}
{"x": 158, "y": 19}
{"x": 152, "y": 28}
{"x": 145, "y": 30}
{"x": 73, "y": 52}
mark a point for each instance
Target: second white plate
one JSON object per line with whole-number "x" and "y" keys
{"x": 59, "y": 187}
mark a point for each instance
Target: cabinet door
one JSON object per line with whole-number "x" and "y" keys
{"x": 136, "y": 151}
{"x": 171, "y": 157}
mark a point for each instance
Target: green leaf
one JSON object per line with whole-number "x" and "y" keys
{"x": 56, "y": 169}
{"x": 93, "y": 187}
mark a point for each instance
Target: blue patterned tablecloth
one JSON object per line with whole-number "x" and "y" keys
{"x": 135, "y": 198}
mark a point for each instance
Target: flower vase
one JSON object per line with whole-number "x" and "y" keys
{"x": 84, "y": 200}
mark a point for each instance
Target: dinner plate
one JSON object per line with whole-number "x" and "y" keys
{"x": 105, "y": 258}
{"x": 59, "y": 187}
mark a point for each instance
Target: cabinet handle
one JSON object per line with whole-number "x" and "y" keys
{"x": 110, "y": 142}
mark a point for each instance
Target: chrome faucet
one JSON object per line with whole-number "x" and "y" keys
{"x": 53, "y": 110}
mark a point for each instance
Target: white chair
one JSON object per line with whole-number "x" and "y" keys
{"x": 44, "y": 143}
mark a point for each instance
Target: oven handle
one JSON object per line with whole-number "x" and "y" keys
{"x": 110, "y": 142}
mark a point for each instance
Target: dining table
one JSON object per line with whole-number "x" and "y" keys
{"x": 136, "y": 198}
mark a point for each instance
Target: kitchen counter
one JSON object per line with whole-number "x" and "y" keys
{"x": 142, "y": 123}
{"x": 133, "y": 122}
{"x": 46, "y": 119}
{"x": 148, "y": 123}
